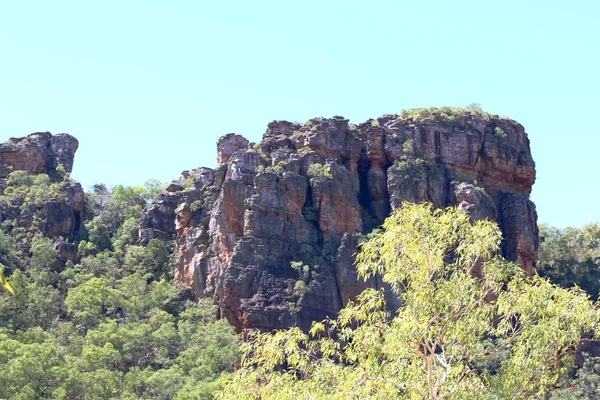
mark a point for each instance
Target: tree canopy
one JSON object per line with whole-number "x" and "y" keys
{"x": 571, "y": 256}
{"x": 114, "y": 325}
{"x": 471, "y": 326}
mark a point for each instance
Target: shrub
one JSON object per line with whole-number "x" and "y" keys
{"x": 499, "y": 132}
{"x": 452, "y": 114}
{"x": 62, "y": 172}
{"x": 19, "y": 178}
{"x": 300, "y": 288}
{"x": 279, "y": 168}
{"x": 197, "y": 205}
{"x": 318, "y": 170}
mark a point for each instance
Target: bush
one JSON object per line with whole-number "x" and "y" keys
{"x": 318, "y": 170}
{"x": 19, "y": 178}
{"x": 451, "y": 114}
{"x": 280, "y": 167}
{"x": 499, "y": 132}
{"x": 300, "y": 288}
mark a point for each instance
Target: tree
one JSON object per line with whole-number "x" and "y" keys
{"x": 471, "y": 326}
{"x": 571, "y": 256}
{"x": 106, "y": 228}
{"x": 152, "y": 188}
{"x": 113, "y": 325}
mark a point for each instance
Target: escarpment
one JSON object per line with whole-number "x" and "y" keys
{"x": 271, "y": 232}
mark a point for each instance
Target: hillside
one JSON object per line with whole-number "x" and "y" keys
{"x": 135, "y": 292}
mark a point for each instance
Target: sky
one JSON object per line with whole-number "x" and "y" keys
{"x": 148, "y": 87}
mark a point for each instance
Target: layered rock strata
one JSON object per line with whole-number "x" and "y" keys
{"x": 271, "y": 232}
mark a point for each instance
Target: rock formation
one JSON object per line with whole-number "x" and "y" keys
{"x": 38, "y": 153}
{"x": 271, "y": 232}
{"x": 56, "y": 209}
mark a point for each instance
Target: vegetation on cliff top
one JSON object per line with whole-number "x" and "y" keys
{"x": 447, "y": 113}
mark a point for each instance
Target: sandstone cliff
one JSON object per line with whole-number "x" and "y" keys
{"x": 271, "y": 232}
{"x": 52, "y": 206}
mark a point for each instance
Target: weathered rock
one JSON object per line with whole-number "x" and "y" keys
{"x": 38, "y": 153}
{"x": 474, "y": 202}
{"x": 158, "y": 220}
{"x": 270, "y": 235}
{"x": 228, "y": 145}
{"x": 66, "y": 251}
{"x": 57, "y": 214}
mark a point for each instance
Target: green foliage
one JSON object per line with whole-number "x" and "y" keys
{"x": 302, "y": 269}
{"x": 366, "y": 237}
{"x": 412, "y": 169}
{"x": 25, "y": 190}
{"x": 160, "y": 358}
{"x": 319, "y": 170}
{"x": 452, "y": 114}
{"x": 300, "y": 288}
{"x": 189, "y": 183}
{"x": 495, "y": 132}
{"x": 585, "y": 384}
{"x": 8, "y": 252}
{"x": 60, "y": 169}
{"x": 307, "y": 250}
{"x": 474, "y": 107}
{"x": 329, "y": 250}
{"x": 197, "y": 205}
{"x": 152, "y": 188}
{"x": 43, "y": 257}
{"x": 19, "y": 178}
{"x": 280, "y": 167}
{"x": 571, "y": 256}
{"x": 113, "y": 326}
{"x": 31, "y": 306}
{"x": 471, "y": 324}
{"x": 499, "y": 132}
{"x": 115, "y": 222}
{"x": 305, "y": 274}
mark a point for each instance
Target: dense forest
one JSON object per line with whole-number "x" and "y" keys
{"x": 117, "y": 325}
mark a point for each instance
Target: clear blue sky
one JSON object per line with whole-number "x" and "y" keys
{"x": 148, "y": 86}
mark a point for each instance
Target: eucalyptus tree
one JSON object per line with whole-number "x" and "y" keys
{"x": 471, "y": 326}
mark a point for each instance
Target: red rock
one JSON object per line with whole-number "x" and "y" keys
{"x": 261, "y": 210}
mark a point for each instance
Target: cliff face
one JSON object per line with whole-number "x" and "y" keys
{"x": 54, "y": 208}
{"x": 38, "y": 153}
{"x": 271, "y": 232}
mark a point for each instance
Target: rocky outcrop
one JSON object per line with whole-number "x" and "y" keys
{"x": 52, "y": 207}
{"x": 38, "y": 153}
{"x": 271, "y": 232}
